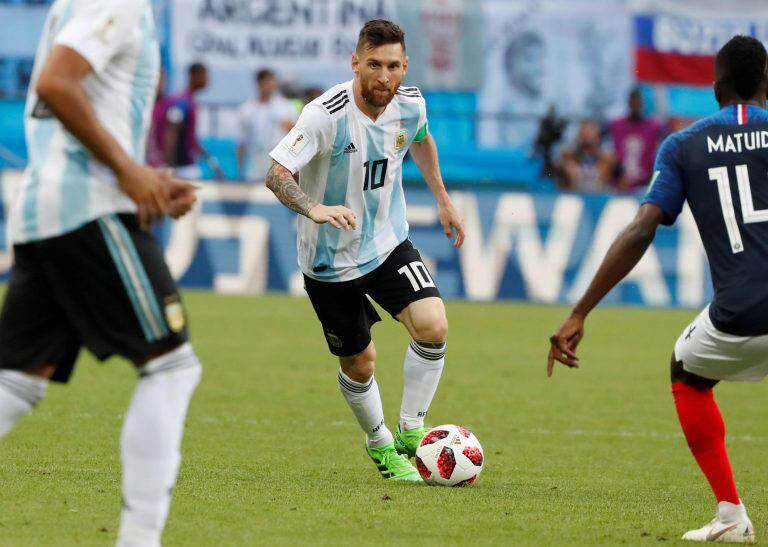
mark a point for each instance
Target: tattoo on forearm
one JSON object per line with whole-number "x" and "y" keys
{"x": 287, "y": 190}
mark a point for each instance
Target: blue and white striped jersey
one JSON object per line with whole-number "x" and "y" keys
{"x": 64, "y": 186}
{"x": 345, "y": 158}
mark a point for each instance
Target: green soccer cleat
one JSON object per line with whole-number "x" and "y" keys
{"x": 392, "y": 465}
{"x": 406, "y": 442}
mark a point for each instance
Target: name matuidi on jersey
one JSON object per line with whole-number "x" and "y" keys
{"x": 738, "y": 142}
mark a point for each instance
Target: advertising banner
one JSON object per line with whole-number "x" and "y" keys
{"x": 573, "y": 56}
{"x": 678, "y": 47}
{"x": 536, "y": 247}
{"x": 309, "y": 41}
{"x": 443, "y": 41}
{"x": 675, "y": 43}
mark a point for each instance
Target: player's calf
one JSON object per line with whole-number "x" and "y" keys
{"x": 151, "y": 443}
{"x": 704, "y": 431}
{"x": 19, "y": 393}
{"x": 360, "y": 390}
{"x": 423, "y": 365}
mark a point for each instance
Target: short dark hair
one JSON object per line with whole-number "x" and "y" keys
{"x": 196, "y": 67}
{"x": 264, "y": 73}
{"x": 741, "y": 65}
{"x": 380, "y": 32}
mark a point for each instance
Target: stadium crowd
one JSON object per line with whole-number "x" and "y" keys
{"x": 585, "y": 156}
{"x": 615, "y": 157}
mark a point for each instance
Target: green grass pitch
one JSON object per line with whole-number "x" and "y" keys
{"x": 272, "y": 456}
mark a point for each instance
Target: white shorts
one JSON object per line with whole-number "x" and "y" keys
{"x": 710, "y": 353}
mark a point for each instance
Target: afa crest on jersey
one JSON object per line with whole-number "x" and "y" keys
{"x": 174, "y": 316}
{"x": 400, "y": 139}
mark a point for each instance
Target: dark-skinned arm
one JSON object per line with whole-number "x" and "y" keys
{"x": 170, "y": 142}
{"x": 59, "y": 87}
{"x": 623, "y": 255}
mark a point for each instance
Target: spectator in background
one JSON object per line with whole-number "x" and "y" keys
{"x": 264, "y": 121}
{"x": 586, "y": 167}
{"x": 635, "y": 139}
{"x": 312, "y": 93}
{"x": 179, "y": 129}
{"x": 551, "y": 129}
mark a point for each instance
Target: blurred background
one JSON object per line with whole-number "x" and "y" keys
{"x": 547, "y": 114}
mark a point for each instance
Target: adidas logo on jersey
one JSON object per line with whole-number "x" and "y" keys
{"x": 350, "y": 149}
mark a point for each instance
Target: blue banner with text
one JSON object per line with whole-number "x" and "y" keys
{"x": 538, "y": 247}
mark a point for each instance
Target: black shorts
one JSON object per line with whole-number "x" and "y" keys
{"x": 104, "y": 286}
{"x": 345, "y": 311}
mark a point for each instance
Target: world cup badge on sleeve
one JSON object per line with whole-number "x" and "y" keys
{"x": 296, "y": 142}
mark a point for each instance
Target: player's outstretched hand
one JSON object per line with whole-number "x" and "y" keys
{"x": 564, "y": 343}
{"x": 450, "y": 221}
{"x": 148, "y": 188}
{"x": 181, "y": 197}
{"x": 336, "y": 215}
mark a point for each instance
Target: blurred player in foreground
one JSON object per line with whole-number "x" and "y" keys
{"x": 87, "y": 273}
{"x": 347, "y": 149}
{"x": 720, "y": 167}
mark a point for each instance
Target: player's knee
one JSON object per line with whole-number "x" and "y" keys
{"x": 181, "y": 360}
{"x": 678, "y": 374}
{"x": 676, "y": 371}
{"x": 30, "y": 388}
{"x": 432, "y": 329}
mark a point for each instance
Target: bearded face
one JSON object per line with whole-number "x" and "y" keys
{"x": 378, "y": 95}
{"x": 380, "y": 71}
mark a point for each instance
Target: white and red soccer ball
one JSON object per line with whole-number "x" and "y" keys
{"x": 449, "y": 455}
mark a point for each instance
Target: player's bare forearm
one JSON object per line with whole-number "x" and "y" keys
{"x": 424, "y": 153}
{"x": 281, "y": 181}
{"x": 59, "y": 87}
{"x": 425, "y": 156}
{"x": 625, "y": 252}
{"x": 623, "y": 255}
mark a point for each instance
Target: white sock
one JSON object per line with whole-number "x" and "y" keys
{"x": 19, "y": 393}
{"x": 151, "y": 442}
{"x": 730, "y": 512}
{"x": 365, "y": 401}
{"x": 422, "y": 368}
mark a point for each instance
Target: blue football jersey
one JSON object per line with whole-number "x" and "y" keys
{"x": 720, "y": 166}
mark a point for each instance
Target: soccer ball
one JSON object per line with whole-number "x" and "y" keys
{"x": 449, "y": 455}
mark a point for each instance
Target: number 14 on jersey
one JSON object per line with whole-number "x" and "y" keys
{"x": 748, "y": 212}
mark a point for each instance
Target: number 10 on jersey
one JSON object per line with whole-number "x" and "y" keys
{"x": 375, "y": 174}
{"x": 418, "y": 275}
{"x": 748, "y": 212}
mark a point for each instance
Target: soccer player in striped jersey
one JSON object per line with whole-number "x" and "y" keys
{"x": 718, "y": 166}
{"x": 340, "y": 168}
{"x": 86, "y": 271}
